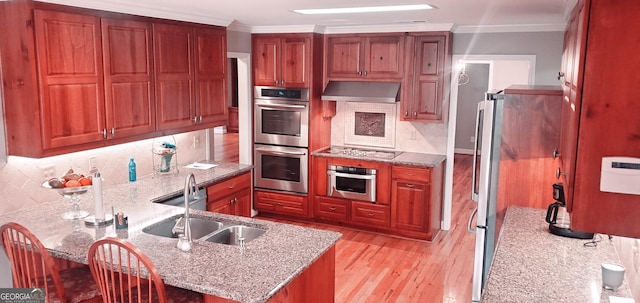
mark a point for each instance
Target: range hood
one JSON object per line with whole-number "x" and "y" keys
{"x": 362, "y": 91}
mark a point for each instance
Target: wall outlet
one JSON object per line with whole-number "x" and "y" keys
{"x": 93, "y": 165}
{"x": 48, "y": 170}
{"x": 472, "y": 139}
{"x": 412, "y": 135}
{"x": 196, "y": 141}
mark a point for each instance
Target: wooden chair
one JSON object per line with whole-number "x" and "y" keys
{"x": 126, "y": 274}
{"x": 33, "y": 267}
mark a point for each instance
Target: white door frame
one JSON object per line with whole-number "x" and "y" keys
{"x": 453, "y": 111}
{"x": 245, "y": 107}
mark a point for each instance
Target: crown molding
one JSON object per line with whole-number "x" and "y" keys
{"x": 513, "y": 28}
{"x": 239, "y": 27}
{"x": 130, "y": 7}
{"x": 389, "y": 28}
{"x": 275, "y": 29}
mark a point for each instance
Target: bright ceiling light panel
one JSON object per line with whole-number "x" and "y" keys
{"x": 364, "y": 9}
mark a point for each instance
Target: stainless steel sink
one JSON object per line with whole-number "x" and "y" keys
{"x": 231, "y": 235}
{"x": 199, "y": 227}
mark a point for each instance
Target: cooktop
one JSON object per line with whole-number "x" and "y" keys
{"x": 362, "y": 152}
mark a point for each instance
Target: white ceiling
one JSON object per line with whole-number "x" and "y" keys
{"x": 277, "y": 15}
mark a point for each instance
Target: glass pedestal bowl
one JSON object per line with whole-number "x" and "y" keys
{"x": 73, "y": 194}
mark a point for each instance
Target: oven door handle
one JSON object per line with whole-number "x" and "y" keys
{"x": 278, "y": 106}
{"x": 352, "y": 176}
{"x": 280, "y": 153}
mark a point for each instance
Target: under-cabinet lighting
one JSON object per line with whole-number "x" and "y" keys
{"x": 364, "y": 9}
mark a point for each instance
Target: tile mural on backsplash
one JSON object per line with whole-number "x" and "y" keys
{"x": 21, "y": 178}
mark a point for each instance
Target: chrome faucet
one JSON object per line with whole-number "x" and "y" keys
{"x": 183, "y": 227}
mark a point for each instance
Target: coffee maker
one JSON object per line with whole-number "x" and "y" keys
{"x": 559, "y": 219}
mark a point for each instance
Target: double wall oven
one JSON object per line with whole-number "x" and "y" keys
{"x": 281, "y": 154}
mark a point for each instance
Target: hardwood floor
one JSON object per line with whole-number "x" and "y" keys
{"x": 377, "y": 268}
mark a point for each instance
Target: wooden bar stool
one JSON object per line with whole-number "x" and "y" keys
{"x": 33, "y": 267}
{"x": 126, "y": 274}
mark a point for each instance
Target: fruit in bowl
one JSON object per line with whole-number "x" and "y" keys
{"x": 70, "y": 179}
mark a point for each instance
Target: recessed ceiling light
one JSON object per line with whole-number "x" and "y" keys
{"x": 363, "y": 9}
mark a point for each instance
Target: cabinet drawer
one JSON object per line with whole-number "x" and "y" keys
{"x": 368, "y": 213}
{"x": 334, "y": 209}
{"x": 288, "y": 204}
{"x": 227, "y": 187}
{"x": 411, "y": 173}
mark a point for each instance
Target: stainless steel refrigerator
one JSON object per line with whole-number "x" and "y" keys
{"x": 484, "y": 180}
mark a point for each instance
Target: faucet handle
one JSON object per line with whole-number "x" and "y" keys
{"x": 179, "y": 227}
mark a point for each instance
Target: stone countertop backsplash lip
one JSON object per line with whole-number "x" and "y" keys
{"x": 532, "y": 265}
{"x": 403, "y": 158}
{"x": 267, "y": 264}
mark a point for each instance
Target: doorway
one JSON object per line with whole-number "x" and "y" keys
{"x": 504, "y": 70}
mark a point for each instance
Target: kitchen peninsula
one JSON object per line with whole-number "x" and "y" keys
{"x": 287, "y": 263}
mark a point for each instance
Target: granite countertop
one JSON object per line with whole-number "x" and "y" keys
{"x": 533, "y": 265}
{"x": 403, "y": 158}
{"x": 267, "y": 264}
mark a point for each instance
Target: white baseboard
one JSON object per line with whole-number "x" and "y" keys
{"x": 463, "y": 151}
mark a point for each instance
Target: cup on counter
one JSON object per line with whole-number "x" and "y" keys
{"x": 612, "y": 275}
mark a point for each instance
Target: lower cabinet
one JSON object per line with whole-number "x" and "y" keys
{"x": 415, "y": 210}
{"x": 373, "y": 215}
{"x": 231, "y": 197}
{"x": 416, "y": 201}
{"x": 282, "y": 203}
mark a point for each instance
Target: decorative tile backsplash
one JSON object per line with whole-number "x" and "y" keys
{"x": 21, "y": 178}
{"x": 409, "y": 136}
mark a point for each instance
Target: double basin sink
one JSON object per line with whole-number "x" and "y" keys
{"x": 208, "y": 230}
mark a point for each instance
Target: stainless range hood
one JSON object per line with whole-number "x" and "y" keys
{"x": 362, "y": 91}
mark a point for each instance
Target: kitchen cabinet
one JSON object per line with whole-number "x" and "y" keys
{"x": 416, "y": 205}
{"x": 128, "y": 77}
{"x": 281, "y": 203}
{"x": 85, "y": 79}
{"x": 365, "y": 56}
{"x": 232, "y": 196}
{"x": 370, "y": 214}
{"x": 282, "y": 60}
{"x": 600, "y": 115}
{"x": 425, "y": 92}
{"x": 190, "y": 67}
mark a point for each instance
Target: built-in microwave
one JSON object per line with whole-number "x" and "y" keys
{"x": 281, "y": 116}
{"x": 351, "y": 182}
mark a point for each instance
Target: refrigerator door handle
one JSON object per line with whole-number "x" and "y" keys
{"x": 476, "y": 150}
{"x": 470, "y": 225}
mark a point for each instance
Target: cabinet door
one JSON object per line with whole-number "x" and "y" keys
{"x": 571, "y": 103}
{"x": 427, "y": 101}
{"x": 344, "y": 57}
{"x": 384, "y": 57}
{"x": 129, "y": 96}
{"x": 280, "y": 203}
{"x": 173, "y": 59}
{"x": 295, "y": 67}
{"x": 266, "y": 52}
{"x": 410, "y": 205}
{"x": 242, "y": 203}
{"x": 210, "y": 70}
{"x": 71, "y": 78}
{"x": 222, "y": 205}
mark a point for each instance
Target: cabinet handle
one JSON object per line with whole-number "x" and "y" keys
{"x": 200, "y": 119}
{"x": 231, "y": 201}
{"x": 556, "y": 153}
{"x": 279, "y": 204}
{"x": 104, "y": 133}
{"x": 410, "y": 186}
{"x": 359, "y": 73}
{"x": 113, "y": 132}
{"x": 371, "y": 215}
{"x": 232, "y": 186}
{"x": 406, "y": 114}
{"x": 411, "y": 174}
{"x": 415, "y": 114}
{"x": 332, "y": 208}
{"x": 195, "y": 119}
{"x": 559, "y": 173}
{"x": 560, "y": 75}
{"x": 365, "y": 73}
